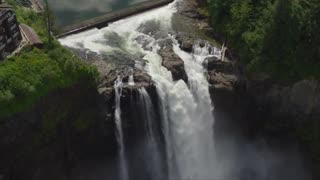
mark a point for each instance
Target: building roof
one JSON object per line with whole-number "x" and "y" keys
{"x": 31, "y": 35}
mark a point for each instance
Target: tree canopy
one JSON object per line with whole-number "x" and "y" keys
{"x": 32, "y": 74}
{"x": 280, "y": 37}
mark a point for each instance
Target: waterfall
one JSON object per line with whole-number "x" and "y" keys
{"x": 153, "y": 149}
{"x": 186, "y": 109}
{"x": 119, "y": 134}
{"x": 198, "y": 160}
{"x": 131, "y": 79}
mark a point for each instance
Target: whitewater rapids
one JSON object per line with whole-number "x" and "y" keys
{"x": 186, "y": 109}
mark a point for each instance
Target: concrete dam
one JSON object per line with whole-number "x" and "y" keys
{"x": 103, "y": 21}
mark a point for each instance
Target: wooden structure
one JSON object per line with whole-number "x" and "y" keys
{"x": 31, "y": 36}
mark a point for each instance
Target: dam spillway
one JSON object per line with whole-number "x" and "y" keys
{"x": 103, "y": 21}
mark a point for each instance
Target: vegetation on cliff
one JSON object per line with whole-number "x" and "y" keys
{"x": 278, "y": 37}
{"x": 32, "y": 74}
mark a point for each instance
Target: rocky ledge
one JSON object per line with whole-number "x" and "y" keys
{"x": 173, "y": 63}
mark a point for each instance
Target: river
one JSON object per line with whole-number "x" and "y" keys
{"x": 72, "y": 11}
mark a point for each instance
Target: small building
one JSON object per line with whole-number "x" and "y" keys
{"x": 31, "y": 36}
{"x": 10, "y": 36}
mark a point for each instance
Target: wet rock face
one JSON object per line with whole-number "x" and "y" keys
{"x": 141, "y": 78}
{"x": 228, "y": 91}
{"x": 153, "y": 29}
{"x": 173, "y": 63}
{"x": 56, "y": 135}
{"x": 186, "y": 41}
{"x": 223, "y": 80}
{"x": 224, "y": 76}
{"x": 190, "y": 9}
{"x": 133, "y": 113}
{"x": 169, "y": 59}
{"x": 216, "y": 65}
{"x": 288, "y": 112}
{"x": 166, "y": 42}
{"x": 298, "y": 100}
{"x": 134, "y": 121}
{"x": 186, "y": 46}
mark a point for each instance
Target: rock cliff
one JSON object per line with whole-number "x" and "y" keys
{"x": 56, "y": 136}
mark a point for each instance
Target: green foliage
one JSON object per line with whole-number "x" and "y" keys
{"x": 279, "y": 37}
{"x": 36, "y": 20}
{"x": 27, "y": 77}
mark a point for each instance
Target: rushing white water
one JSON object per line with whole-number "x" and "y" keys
{"x": 122, "y": 159}
{"x": 186, "y": 112}
{"x": 131, "y": 78}
{"x": 153, "y": 146}
{"x": 194, "y": 136}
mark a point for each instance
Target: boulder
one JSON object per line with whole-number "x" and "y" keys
{"x": 173, "y": 63}
{"x": 223, "y": 80}
{"x": 167, "y": 42}
{"x": 215, "y": 64}
{"x": 186, "y": 41}
{"x": 186, "y": 46}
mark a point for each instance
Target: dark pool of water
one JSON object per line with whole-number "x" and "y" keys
{"x": 68, "y": 12}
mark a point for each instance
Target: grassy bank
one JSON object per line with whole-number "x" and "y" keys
{"x": 32, "y": 74}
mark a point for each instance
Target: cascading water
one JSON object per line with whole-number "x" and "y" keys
{"x": 131, "y": 78}
{"x": 153, "y": 146}
{"x": 198, "y": 158}
{"x": 186, "y": 112}
{"x": 119, "y": 134}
